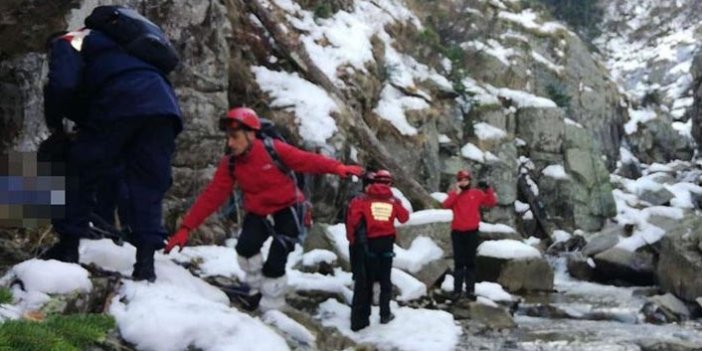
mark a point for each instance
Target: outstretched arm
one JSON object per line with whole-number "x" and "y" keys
{"x": 308, "y": 162}
{"x": 217, "y": 192}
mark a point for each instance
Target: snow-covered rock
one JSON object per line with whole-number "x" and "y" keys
{"x": 514, "y": 265}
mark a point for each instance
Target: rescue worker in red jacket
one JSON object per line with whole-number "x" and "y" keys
{"x": 370, "y": 229}
{"x": 465, "y": 203}
{"x": 267, "y": 191}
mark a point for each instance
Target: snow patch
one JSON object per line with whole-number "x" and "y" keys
{"x": 166, "y": 316}
{"x": 312, "y": 106}
{"x": 392, "y": 107}
{"x": 50, "y": 277}
{"x": 316, "y": 256}
{"x": 507, "y": 249}
{"x": 410, "y": 287}
{"x": 429, "y": 216}
{"x": 411, "y": 330}
{"x": 556, "y": 172}
{"x": 422, "y": 251}
{"x": 485, "y": 131}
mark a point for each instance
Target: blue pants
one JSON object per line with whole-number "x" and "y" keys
{"x": 143, "y": 146}
{"x": 113, "y": 194}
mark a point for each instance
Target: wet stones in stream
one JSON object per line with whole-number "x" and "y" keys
{"x": 665, "y": 309}
{"x": 492, "y": 317}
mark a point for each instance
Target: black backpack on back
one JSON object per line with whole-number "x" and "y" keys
{"x": 136, "y": 34}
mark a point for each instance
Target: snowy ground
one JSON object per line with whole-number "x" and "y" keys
{"x": 181, "y": 310}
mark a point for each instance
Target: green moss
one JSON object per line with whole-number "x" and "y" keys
{"x": 31, "y": 336}
{"x": 454, "y": 53}
{"x": 429, "y": 37}
{"x": 558, "y": 95}
{"x": 82, "y": 329}
{"x": 60, "y": 333}
{"x": 323, "y": 11}
{"x": 5, "y": 295}
{"x": 652, "y": 97}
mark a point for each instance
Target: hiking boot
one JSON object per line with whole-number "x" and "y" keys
{"x": 471, "y": 296}
{"x": 144, "y": 266}
{"x": 386, "y": 319}
{"x": 454, "y": 296}
{"x": 66, "y": 250}
{"x": 247, "y": 302}
{"x": 359, "y": 326}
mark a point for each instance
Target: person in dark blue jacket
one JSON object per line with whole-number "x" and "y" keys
{"x": 67, "y": 102}
{"x": 130, "y": 119}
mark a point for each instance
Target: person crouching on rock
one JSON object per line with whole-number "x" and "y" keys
{"x": 370, "y": 229}
{"x": 465, "y": 203}
{"x": 267, "y": 192}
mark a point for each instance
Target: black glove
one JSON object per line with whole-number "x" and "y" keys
{"x": 483, "y": 185}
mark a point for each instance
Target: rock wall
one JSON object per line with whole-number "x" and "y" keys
{"x": 450, "y": 51}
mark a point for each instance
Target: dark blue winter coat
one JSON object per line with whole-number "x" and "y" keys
{"x": 114, "y": 85}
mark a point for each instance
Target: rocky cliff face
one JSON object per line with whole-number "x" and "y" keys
{"x": 420, "y": 88}
{"x": 649, "y": 48}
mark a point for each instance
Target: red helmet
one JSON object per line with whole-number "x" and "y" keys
{"x": 240, "y": 116}
{"x": 368, "y": 178}
{"x": 463, "y": 174}
{"x": 383, "y": 176}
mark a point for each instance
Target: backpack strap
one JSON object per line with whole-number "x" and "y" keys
{"x": 231, "y": 163}
{"x": 273, "y": 153}
{"x": 298, "y": 209}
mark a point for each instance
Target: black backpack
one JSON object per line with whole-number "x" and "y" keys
{"x": 136, "y": 34}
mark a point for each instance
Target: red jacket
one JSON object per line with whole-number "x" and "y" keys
{"x": 466, "y": 207}
{"x": 266, "y": 189}
{"x": 379, "y": 208}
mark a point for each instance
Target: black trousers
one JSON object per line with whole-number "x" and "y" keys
{"x": 369, "y": 267}
{"x": 143, "y": 147}
{"x": 465, "y": 245}
{"x": 256, "y": 229}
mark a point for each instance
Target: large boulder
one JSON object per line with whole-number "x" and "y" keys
{"x": 665, "y": 309}
{"x": 598, "y": 106}
{"x": 657, "y": 141}
{"x": 514, "y": 265}
{"x": 605, "y": 239}
{"x": 439, "y": 232}
{"x": 433, "y": 271}
{"x": 591, "y": 191}
{"x": 656, "y": 196}
{"x": 580, "y": 266}
{"x": 680, "y": 260}
{"x": 619, "y": 265}
{"x": 542, "y": 128}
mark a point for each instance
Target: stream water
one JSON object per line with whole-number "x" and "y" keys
{"x": 592, "y": 317}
